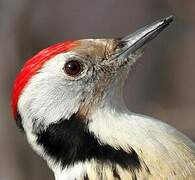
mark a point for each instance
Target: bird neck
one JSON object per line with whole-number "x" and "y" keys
{"x": 80, "y": 147}
{"x": 93, "y": 148}
{"x": 113, "y": 99}
{"x": 76, "y": 144}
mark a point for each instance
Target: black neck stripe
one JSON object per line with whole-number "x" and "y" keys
{"x": 69, "y": 142}
{"x": 19, "y": 121}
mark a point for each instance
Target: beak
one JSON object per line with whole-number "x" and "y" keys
{"x": 131, "y": 43}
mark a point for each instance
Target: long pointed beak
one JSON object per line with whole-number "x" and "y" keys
{"x": 131, "y": 43}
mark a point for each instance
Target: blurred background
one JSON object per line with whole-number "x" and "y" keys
{"x": 161, "y": 84}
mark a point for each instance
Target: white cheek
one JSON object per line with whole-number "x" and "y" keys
{"x": 48, "y": 97}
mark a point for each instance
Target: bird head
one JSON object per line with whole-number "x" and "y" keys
{"x": 76, "y": 77}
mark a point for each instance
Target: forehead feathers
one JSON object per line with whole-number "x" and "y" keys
{"x": 33, "y": 65}
{"x": 96, "y": 48}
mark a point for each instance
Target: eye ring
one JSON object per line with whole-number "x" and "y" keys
{"x": 73, "y": 68}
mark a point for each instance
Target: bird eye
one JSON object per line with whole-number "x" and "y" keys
{"x": 73, "y": 68}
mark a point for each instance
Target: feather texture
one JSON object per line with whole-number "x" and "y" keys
{"x": 33, "y": 65}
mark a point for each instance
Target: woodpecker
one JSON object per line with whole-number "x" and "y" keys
{"x": 68, "y": 100}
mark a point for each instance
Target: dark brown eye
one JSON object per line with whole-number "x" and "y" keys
{"x": 73, "y": 68}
